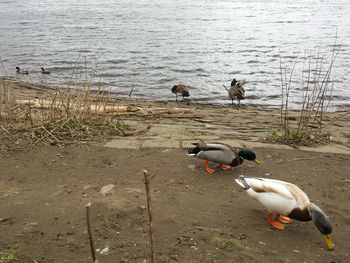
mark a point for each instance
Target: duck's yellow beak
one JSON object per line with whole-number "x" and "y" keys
{"x": 329, "y": 242}
{"x": 257, "y": 161}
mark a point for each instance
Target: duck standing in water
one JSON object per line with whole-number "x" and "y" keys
{"x": 236, "y": 90}
{"x": 181, "y": 89}
{"x": 19, "y": 71}
{"x": 224, "y": 154}
{"x": 43, "y": 71}
{"x": 288, "y": 201}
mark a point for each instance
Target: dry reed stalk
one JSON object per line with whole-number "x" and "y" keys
{"x": 316, "y": 98}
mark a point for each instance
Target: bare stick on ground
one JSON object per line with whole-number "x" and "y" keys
{"x": 92, "y": 248}
{"x": 149, "y": 208}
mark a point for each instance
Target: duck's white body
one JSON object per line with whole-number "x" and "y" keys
{"x": 277, "y": 196}
{"x": 286, "y": 199}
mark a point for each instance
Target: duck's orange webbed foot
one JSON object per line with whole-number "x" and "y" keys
{"x": 284, "y": 219}
{"x": 224, "y": 167}
{"x": 207, "y": 168}
{"x": 273, "y": 223}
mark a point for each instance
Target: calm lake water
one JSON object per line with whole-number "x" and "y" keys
{"x": 156, "y": 44}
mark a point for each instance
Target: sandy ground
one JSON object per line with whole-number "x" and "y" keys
{"x": 198, "y": 217}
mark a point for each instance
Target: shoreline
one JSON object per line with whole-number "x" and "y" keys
{"x": 185, "y": 122}
{"x": 42, "y": 90}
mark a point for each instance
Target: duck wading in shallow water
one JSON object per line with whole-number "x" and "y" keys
{"x": 236, "y": 90}
{"x": 20, "y": 71}
{"x": 180, "y": 89}
{"x": 223, "y": 154}
{"x": 287, "y": 201}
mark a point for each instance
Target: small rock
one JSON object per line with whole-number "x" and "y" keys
{"x": 262, "y": 243}
{"x": 107, "y": 189}
{"x": 104, "y": 251}
{"x": 296, "y": 251}
{"x": 87, "y": 187}
{"x": 34, "y": 223}
{"x": 192, "y": 167}
{"x": 267, "y": 174}
{"x": 174, "y": 257}
{"x": 187, "y": 186}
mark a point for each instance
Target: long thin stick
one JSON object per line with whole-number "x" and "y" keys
{"x": 90, "y": 234}
{"x": 131, "y": 91}
{"x": 149, "y": 208}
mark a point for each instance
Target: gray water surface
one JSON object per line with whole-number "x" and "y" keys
{"x": 156, "y": 44}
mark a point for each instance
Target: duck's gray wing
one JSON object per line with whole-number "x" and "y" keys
{"x": 219, "y": 153}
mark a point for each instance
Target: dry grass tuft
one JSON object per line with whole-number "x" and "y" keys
{"x": 79, "y": 113}
{"x": 315, "y": 82}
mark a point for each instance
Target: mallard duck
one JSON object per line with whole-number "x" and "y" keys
{"x": 180, "y": 89}
{"x": 19, "y": 71}
{"x": 43, "y": 71}
{"x": 236, "y": 90}
{"x": 221, "y": 153}
{"x": 288, "y": 201}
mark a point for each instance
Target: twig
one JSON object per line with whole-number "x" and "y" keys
{"x": 302, "y": 159}
{"x": 150, "y": 215}
{"x": 131, "y": 91}
{"x": 92, "y": 249}
{"x": 210, "y": 229}
{"x": 225, "y": 88}
{"x": 2, "y": 63}
{"x": 139, "y": 131}
{"x": 4, "y": 129}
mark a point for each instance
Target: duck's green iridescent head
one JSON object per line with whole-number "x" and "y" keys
{"x": 248, "y": 155}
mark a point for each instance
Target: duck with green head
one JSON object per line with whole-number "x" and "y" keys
{"x": 223, "y": 154}
{"x": 288, "y": 202}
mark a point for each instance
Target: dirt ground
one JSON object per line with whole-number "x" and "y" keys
{"x": 198, "y": 217}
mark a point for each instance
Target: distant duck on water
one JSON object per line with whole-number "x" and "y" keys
{"x": 20, "y": 71}
{"x": 223, "y": 154}
{"x": 43, "y": 71}
{"x": 236, "y": 90}
{"x": 181, "y": 89}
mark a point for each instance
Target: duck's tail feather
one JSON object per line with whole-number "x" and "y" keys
{"x": 242, "y": 182}
{"x": 185, "y": 94}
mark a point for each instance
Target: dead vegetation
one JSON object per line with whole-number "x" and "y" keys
{"x": 76, "y": 114}
{"x": 317, "y": 87}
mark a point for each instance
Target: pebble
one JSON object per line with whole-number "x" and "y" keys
{"x": 192, "y": 167}
{"x": 107, "y": 189}
{"x": 87, "y": 187}
{"x": 104, "y": 251}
